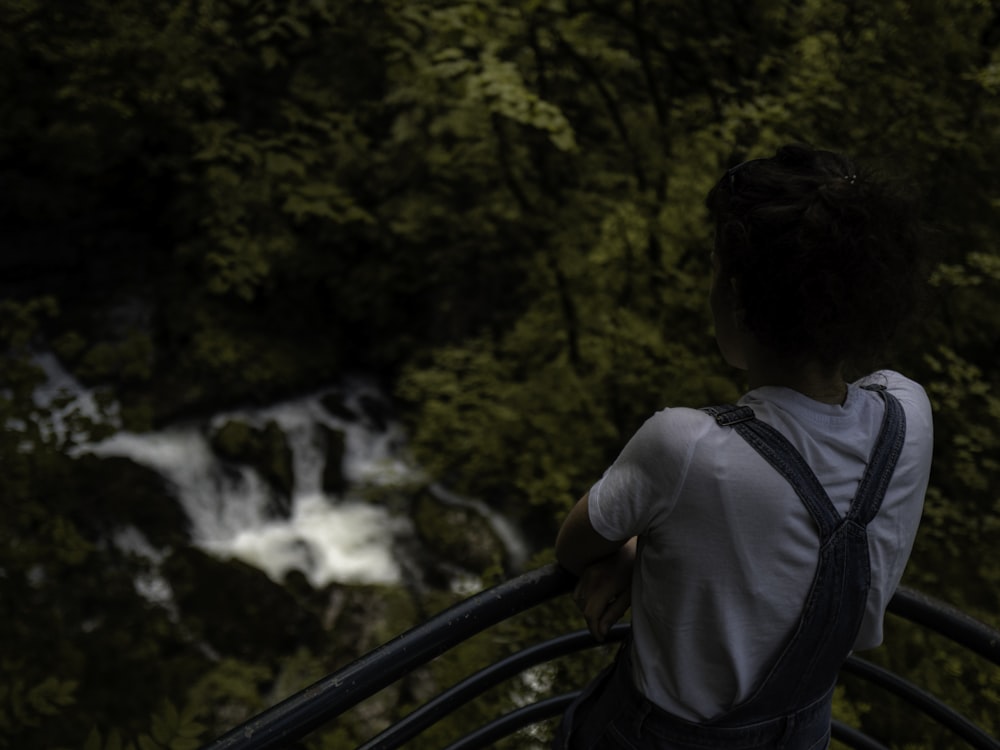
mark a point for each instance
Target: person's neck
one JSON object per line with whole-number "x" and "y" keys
{"x": 817, "y": 381}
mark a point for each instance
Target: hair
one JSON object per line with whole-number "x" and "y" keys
{"x": 827, "y": 256}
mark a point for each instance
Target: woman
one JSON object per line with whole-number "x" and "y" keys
{"x": 758, "y": 544}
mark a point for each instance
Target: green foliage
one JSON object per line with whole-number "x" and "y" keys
{"x": 944, "y": 670}
{"x": 128, "y": 361}
{"x": 22, "y": 706}
{"x": 19, "y": 321}
{"x": 457, "y": 535}
{"x": 171, "y": 730}
{"x": 496, "y": 206}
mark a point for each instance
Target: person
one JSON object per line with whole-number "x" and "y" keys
{"x": 758, "y": 544}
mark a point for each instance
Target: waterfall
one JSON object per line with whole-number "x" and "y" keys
{"x": 338, "y": 536}
{"x": 62, "y": 396}
{"x": 342, "y": 539}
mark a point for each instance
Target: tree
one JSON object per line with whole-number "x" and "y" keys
{"x": 498, "y": 207}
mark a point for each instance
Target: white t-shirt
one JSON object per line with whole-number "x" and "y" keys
{"x": 727, "y": 550}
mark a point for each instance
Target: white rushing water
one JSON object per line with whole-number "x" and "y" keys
{"x": 68, "y": 404}
{"x": 328, "y": 538}
{"x": 342, "y": 537}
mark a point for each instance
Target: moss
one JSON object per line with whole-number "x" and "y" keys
{"x": 137, "y": 415}
{"x": 363, "y": 617}
{"x": 113, "y": 493}
{"x": 455, "y": 534}
{"x": 237, "y": 609}
{"x": 276, "y": 458}
{"x": 266, "y": 450}
{"x": 127, "y": 361}
{"x": 233, "y": 441}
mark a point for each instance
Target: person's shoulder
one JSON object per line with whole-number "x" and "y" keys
{"x": 910, "y": 393}
{"x": 676, "y": 425}
{"x": 895, "y": 382}
{"x": 682, "y": 418}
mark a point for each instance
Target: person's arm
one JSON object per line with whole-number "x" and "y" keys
{"x": 604, "y": 591}
{"x": 578, "y": 544}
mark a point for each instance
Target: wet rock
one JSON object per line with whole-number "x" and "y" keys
{"x": 333, "y": 480}
{"x": 116, "y": 492}
{"x": 264, "y": 449}
{"x": 377, "y": 412}
{"x": 359, "y": 618}
{"x": 237, "y": 609}
{"x": 296, "y": 583}
{"x": 456, "y": 534}
{"x": 334, "y": 404}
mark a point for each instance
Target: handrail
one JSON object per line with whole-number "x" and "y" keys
{"x": 305, "y": 711}
{"x": 329, "y": 697}
{"x": 483, "y": 680}
{"x": 944, "y": 619}
{"x": 927, "y": 703}
{"x": 854, "y": 738}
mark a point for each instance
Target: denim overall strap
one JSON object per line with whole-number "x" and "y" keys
{"x": 807, "y": 666}
{"x": 777, "y": 451}
{"x": 882, "y": 462}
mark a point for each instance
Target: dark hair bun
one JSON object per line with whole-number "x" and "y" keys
{"x": 827, "y": 256}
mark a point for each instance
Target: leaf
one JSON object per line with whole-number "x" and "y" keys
{"x": 93, "y": 740}
{"x": 48, "y": 697}
{"x": 162, "y": 729}
{"x": 272, "y": 58}
{"x": 284, "y": 164}
{"x": 296, "y": 25}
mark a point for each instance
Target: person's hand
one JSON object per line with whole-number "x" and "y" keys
{"x": 604, "y": 591}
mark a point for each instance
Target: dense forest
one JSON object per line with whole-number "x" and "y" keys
{"x": 496, "y": 210}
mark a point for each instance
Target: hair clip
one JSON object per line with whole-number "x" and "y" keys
{"x": 850, "y": 178}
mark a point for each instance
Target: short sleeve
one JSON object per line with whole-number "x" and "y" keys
{"x": 910, "y": 393}
{"x": 894, "y": 529}
{"x": 919, "y": 415}
{"x": 641, "y": 487}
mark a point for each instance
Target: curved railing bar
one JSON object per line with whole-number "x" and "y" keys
{"x": 557, "y": 705}
{"x": 854, "y": 738}
{"x": 936, "y": 709}
{"x": 478, "y": 683}
{"x": 475, "y": 685}
{"x": 952, "y": 623}
{"x": 510, "y": 723}
{"x": 326, "y": 699}
{"x": 300, "y": 714}
{"x": 507, "y": 725}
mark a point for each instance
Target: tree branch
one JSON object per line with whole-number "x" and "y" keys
{"x": 659, "y": 105}
{"x": 612, "y": 107}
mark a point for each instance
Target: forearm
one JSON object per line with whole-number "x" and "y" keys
{"x": 578, "y": 544}
{"x": 604, "y": 592}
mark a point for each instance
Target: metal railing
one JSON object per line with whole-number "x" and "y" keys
{"x": 325, "y": 700}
